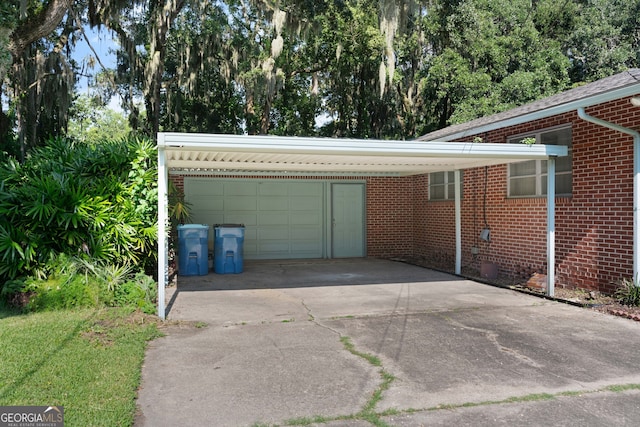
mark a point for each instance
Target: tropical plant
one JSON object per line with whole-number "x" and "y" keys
{"x": 79, "y": 281}
{"x": 628, "y": 292}
{"x": 179, "y": 209}
{"x": 98, "y": 201}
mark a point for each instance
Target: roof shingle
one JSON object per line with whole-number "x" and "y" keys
{"x": 591, "y": 90}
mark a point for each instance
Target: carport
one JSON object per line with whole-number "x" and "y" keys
{"x": 278, "y": 156}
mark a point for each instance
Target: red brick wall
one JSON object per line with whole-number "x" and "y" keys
{"x": 422, "y": 246}
{"x": 178, "y": 181}
{"x": 594, "y": 227}
{"x": 390, "y": 217}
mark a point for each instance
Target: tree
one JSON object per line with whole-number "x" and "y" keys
{"x": 38, "y": 67}
{"x": 488, "y": 56}
{"x": 361, "y": 68}
{"x": 199, "y": 94}
{"x": 605, "y": 39}
{"x": 8, "y": 22}
{"x": 91, "y": 122}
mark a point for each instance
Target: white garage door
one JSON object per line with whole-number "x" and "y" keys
{"x": 283, "y": 219}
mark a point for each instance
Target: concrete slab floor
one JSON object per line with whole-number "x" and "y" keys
{"x": 372, "y": 342}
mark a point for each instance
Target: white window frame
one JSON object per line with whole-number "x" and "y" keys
{"x": 540, "y": 189}
{"x": 449, "y": 179}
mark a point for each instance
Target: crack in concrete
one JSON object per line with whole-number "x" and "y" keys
{"x": 310, "y": 316}
{"x": 370, "y": 415}
{"x": 367, "y": 412}
{"x": 492, "y": 336}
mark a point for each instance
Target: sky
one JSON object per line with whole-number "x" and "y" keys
{"x": 102, "y": 42}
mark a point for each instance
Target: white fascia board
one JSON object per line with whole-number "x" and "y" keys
{"x": 543, "y": 114}
{"x": 352, "y": 147}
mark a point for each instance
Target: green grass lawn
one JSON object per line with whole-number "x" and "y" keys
{"x": 88, "y": 361}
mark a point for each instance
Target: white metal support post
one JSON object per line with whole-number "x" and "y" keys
{"x": 163, "y": 262}
{"x": 458, "y": 219}
{"x": 551, "y": 225}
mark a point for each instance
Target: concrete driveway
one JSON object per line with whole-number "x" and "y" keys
{"x": 366, "y": 342}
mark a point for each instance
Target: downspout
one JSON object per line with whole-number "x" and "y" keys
{"x": 636, "y": 181}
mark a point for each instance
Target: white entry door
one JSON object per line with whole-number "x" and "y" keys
{"x": 347, "y": 220}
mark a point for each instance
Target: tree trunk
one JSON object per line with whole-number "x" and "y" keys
{"x": 164, "y": 14}
{"x": 37, "y": 26}
{"x": 266, "y": 114}
{"x": 29, "y": 30}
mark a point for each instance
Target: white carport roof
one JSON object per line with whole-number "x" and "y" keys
{"x": 236, "y": 153}
{"x": 212, "y": 153}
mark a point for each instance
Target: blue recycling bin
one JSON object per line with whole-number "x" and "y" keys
{"x": 193, "y": 249}
{"x": 228, "y": 248}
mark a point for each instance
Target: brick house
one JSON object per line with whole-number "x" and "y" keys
{"x": 327, "y": 198}
{"x": 595, "y": 204}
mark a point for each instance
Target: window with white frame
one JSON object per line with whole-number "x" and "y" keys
{"x": 442, "y": 185}
{"x": 529, "y": 179}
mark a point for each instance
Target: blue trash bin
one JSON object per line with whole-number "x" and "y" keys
{"x": 228, "y": 248}
{"x": 193, "y": 249}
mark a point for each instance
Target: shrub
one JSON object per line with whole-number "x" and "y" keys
{"x": 139, "y": 292}
{"x": 72, "y": 199}
{"x": 70, "y": 282}
{"x": 14, "y": 293}
{"x": 628, "y": 292}
{"x": 62, "y": 293}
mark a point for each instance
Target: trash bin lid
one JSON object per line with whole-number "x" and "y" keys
{"x": 229, "y": 225}
{"x": 187, "y": 226}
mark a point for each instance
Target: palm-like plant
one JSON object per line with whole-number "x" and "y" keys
{"x": 99, "y": 201}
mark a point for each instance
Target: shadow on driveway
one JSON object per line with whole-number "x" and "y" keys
{"x": 279, "y": 274}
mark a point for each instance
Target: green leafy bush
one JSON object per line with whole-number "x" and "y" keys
{"x": 64, "y": 284}
{"x": 13, "y": 294}
{"x": 62, "y": 293}
{"x": 71, "y": 282}
{"x": 628, "y": 293}
{"x": 67, "y": 198}
{"x": 139, "y": 292}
